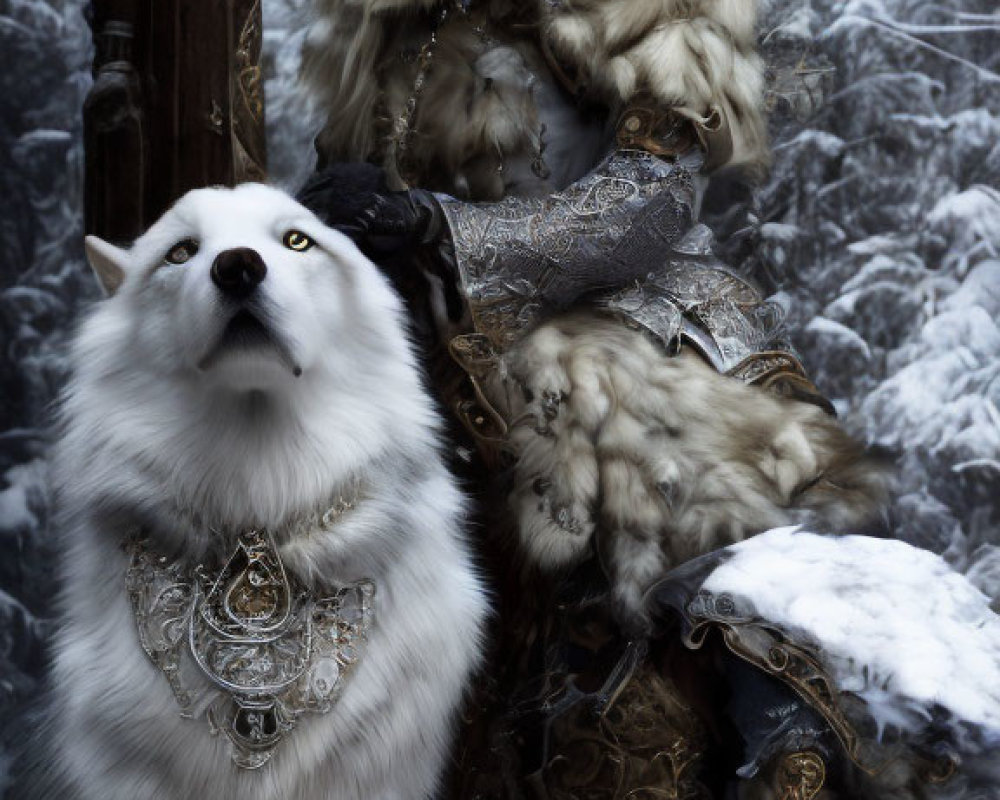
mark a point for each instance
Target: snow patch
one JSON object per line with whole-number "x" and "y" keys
{"x": 895, "y": 624}
{"x": 776, "y": 232}
{"x": 14, "y": 511}
{"x": 844, "y": 337}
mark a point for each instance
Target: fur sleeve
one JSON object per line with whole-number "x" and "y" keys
{"x": 698, "y": 56}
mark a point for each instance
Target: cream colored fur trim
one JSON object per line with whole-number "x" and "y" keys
{"x": 695, "y": 55}
{"x": 664, "y": 456}
{"x": 477, "y": 102}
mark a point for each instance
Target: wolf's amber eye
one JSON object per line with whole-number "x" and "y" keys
{"x": 297, "y": 240}
{"x": 183, "y": 251}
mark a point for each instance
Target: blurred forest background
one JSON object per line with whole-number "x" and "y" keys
{"x": 878, "y": 227}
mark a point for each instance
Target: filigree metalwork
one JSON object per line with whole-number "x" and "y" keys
{"x": 248, "y": 647}
{"x": 800, "y": 775}
{"x": 624, "y": 238}
{"x": 764, "y": 366}
{"x": 763, "y": 645}
{"x": 249, "y": 74}
{"x": 607, "y": 725}
{"x": 697, "y": 299}
{"x": 246, "y": 97}
{"x": 782, "y": 373}
{"x": 647, "y": 744}
{"x": 522, "y": 259}
{"x": 647, "y": 124}
{"x": 767, "y": 647}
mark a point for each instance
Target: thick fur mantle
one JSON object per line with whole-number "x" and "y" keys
{"x": 695, "y": 56}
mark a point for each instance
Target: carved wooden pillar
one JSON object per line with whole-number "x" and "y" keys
{"x": 177, "y": 103}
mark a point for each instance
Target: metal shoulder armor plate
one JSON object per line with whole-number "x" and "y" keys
{"x": 622, "y": 239}
{"x": 522, "y": 259}
{"x": 695, "y": 299}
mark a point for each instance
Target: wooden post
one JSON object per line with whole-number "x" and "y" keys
{"x": 177, "y": 103}
{"x": 114, "y": 131}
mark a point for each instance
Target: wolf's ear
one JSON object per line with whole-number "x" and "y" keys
{"x": 107, "y": 261}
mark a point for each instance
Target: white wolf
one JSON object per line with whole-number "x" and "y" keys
{"x": 248, "y": 389}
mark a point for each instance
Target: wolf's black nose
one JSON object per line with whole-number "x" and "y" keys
{"x": 238, "y": 272}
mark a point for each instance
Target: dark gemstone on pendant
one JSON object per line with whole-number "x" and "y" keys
{"x": 256, "y": 725}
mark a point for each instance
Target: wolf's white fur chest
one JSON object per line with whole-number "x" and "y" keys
{"x": 176, "y": 424}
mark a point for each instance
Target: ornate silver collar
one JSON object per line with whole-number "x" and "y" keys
{"x": 269, "y": 649}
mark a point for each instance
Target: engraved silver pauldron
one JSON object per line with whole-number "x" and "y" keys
{"x": 622, "y": 240}
{"x": 247, "y": 646}
{"x": 522, "y": 259}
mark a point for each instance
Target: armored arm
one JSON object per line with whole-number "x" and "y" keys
{"x": 521, "y": 260}
{"x": 623, "y": 240}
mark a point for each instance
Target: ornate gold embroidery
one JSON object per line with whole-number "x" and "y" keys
{"x": 766, "y": 646}
{"x": 800, "y": 775}
{"x": 647, "y": 125}
{"x": 246, "y": 100}
{"x": 645, "y": 744}
{"x": 249, "y": 74}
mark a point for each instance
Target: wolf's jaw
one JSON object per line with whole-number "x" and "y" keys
{"x": 247, "y": 338}
{"x": 245, "y": 330}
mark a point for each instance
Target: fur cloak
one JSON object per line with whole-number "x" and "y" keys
{"x": 481, "y": 94}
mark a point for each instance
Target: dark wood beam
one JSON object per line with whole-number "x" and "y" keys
{"x": 177, "y": 103}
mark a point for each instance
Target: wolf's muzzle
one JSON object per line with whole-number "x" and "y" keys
{"x": 238, "y": 272}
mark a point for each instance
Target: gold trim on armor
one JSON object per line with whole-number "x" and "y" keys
{"x": 647, "y": 125}
{"x": 799, "y": 775}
